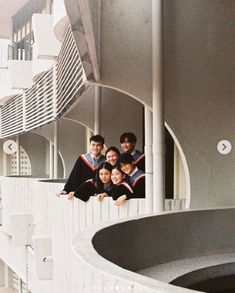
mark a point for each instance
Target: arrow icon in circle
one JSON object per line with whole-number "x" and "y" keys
{"x": 10, "y": 147}
{"x": 224, "y": 147}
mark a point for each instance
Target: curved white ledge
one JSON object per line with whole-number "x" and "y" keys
{"x": 60, "y": 20}
{"x": 100, "y": 270}
{"x": 60, "y": 28}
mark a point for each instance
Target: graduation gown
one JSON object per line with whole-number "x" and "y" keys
{"x": 139, "y": 160}
{"x": 137, "y": 181}
{"x": 89, "y": 188}
{"x": 122, "y": 189}
{"x": 86, "y": 190}
{"x": 84, "y": 169}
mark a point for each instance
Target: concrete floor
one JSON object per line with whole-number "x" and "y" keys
{"x": 169, "y": 271}
{"x": 7, "y": 290}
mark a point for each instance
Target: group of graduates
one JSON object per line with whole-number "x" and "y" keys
{"x": 118, "y": 175}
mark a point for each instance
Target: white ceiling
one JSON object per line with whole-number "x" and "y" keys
{"x": 8, "y": 8}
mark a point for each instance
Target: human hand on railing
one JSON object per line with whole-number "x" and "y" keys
{"x": 120, "y": 200}
{"x": 71, "y": 195}
{"x": 100, "y": 196}
{"x": 63, "y": 192}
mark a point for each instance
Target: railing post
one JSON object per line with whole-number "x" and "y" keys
{"x": 158, "y": 108}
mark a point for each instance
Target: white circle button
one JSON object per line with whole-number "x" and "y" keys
{"x": 224, "y": 147}
{"x": 10, "y": 147}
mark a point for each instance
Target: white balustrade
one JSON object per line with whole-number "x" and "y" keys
{"x": 60, "y": 219}
{"x": 16, "y": 198}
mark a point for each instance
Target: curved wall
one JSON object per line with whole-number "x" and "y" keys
{"x": 149, "y": 241}
{"x": 105, "y": 254}
{"x": 199, "y": 90}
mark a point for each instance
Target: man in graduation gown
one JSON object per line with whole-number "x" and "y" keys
{"x": 128, "y": 141}
{"x": 135, "y": 177}
{"x": 85, "y": 166}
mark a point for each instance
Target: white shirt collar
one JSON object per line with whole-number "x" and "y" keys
{"x": 133, "y": 153}
{"x": 134, "y": 171}
{"x": 95, "y": 158}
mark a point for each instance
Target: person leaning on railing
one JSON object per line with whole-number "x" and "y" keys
{"x": 85, "y": 166}
{"x": 134, "y": 176}
{"x": 128, "y": 142}
{"x": 122, "y": 190}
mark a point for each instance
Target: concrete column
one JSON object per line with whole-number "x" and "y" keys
{"x": 2, "y": 277}
{"x": 56, "y": 149}
{"x": 158, "y": 109}
{"x": 51, "y": 158}
{"x": 18, "y": 155}
{"x": 148, "y": 161}
{"x": 97, "y": 126}
{"x": 88, "y": 135}
{"x": 4, "y": 163}
{"x": 98, "y": 90}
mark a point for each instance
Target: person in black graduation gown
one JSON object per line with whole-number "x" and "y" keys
{"x": 101, "y": 186}
{"x": 128, "y": 142}
{"x": 85, "y": 166}
{"x": 122, "y": 190}
{"x": 135, "y": 177}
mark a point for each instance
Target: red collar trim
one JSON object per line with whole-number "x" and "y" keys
{"x": 137, "y": 179}
{"x": 139, "y": 159}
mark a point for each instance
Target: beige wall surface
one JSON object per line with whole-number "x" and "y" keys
{"x": 126, "y": 46}
{"x": 199, "y": 91}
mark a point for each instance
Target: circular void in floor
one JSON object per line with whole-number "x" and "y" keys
{"x": 215, "y": 279}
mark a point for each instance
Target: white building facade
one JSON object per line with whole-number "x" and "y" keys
{"x": 72, "y": 69}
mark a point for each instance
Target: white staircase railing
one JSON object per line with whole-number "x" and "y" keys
{"x": 49, "y": 97}
{"x": 12, "y": 117}
{"x": 39, "y": 104}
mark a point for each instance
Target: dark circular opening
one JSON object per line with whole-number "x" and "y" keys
{"x": 215, "y": 279}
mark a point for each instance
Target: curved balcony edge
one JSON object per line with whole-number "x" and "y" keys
{"x": 60, "y": 28}
{"x": 89, "y": 255}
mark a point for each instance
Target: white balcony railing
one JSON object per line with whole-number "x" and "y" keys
{"x": 58, "y": 219}
{"x": 12, "y": 117}
{"x": 39, "y": 104}
{"x": 49, "y": 97}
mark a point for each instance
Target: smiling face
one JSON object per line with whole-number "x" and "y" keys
{"x": 127, "y": 146}
{"x": 117, "y": 176}
{"x": 105, "y": 176}
{"x": 96, "y": 148}
{"x": 127, "y": 168}
{"x": 112, "y": 157}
